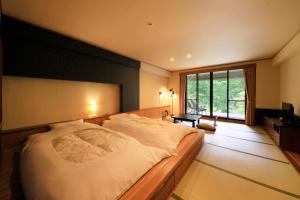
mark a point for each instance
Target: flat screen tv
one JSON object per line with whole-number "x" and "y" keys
{"x": 287, "y": 113}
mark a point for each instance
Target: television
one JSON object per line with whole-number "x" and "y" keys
{"x": 287, "y": 113}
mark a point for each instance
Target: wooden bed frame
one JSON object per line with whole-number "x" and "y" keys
{"x": 158, "y": 183}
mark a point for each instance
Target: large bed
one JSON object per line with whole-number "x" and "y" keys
{"x": 157, "y": 183}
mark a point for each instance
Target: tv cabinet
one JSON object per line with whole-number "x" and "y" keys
{"x": 286, "y": 137}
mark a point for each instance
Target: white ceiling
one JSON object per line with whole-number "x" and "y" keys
{"x": 212, "y": 31}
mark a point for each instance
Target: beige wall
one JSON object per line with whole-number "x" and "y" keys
{"x": 150, "y": 85}
{"x": 267, "y": 85}
{"x": 32, "y": 101}
{"x": 288, "y": 61}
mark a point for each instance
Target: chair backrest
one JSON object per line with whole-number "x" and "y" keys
{"x": 192, "y": 104}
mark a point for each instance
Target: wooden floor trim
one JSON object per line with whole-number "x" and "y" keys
{"x": 294, "y": 158}
{"x": 224, "y": 120}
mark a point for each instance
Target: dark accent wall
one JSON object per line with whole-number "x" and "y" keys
{"x": 30, "y": 51}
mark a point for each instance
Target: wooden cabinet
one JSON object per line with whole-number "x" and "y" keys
{"x": 269, "y": 127}
{"x": 287, "y": 137}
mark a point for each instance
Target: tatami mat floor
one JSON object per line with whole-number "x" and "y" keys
{"x": 239, "y": 162}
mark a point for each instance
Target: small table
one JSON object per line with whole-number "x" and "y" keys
{"x": 189, "y": 118}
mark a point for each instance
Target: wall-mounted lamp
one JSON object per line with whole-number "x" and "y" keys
{"x": 93, "y": 108}
{"x": 161, "y": 94}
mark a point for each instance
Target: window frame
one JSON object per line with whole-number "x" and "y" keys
{"x": 228, "y": 100}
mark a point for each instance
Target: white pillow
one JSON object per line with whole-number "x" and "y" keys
{"x": 63, "y": 124}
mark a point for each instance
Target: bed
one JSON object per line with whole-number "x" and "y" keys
{"x": 157, "y": 183}
{"x": 156, "y": 132}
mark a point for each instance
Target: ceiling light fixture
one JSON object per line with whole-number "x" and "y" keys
{"x": 188, "y": 55}
{"x": 171, "y": 59}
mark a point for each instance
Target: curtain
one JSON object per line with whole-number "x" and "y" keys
{"x": 250, "y": 80}
{"x": 182, "y": 93}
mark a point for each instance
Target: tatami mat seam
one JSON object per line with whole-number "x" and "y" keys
{"x": 248, "y": 153}
{"x": 245, "y": 139}
{"x": 246, "y": 131}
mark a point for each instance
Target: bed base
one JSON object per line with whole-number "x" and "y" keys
{"x": 161, "y": 180}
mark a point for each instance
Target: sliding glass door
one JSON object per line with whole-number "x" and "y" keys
{"x": 191, "y": 94}
{"x": 220, "y": 93}
{"x": 204, "y": 93}
{"x": 237, "y": 95}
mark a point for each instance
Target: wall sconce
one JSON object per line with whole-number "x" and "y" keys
{"x": 161, "y": 94}
{"x": 93, "y": 108}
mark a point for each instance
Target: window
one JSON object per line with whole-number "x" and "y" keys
{"x": 191, "y": 94}
{"x": 237, "y": 94}
{"x": 204, "y": 92}
{"x": 220, "y": 93}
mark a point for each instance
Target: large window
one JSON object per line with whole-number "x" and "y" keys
{"x": 220, "y": 93}
{"x": 191, "y": 94}
{"x": 204, "y": 93}
{"x": 236, "y": 94}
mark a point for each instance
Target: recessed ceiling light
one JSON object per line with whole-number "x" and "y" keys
{"x": 188, "y": 55}
{"x": 171, "y": 59}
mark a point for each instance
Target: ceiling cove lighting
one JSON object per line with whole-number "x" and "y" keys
{"x": 172, "y": 59}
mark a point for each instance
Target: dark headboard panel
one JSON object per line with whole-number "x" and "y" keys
{"x": 30, "y": 51}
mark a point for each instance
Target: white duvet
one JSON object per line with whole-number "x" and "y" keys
{"x": 152, "y": 132}
{"x": 82, "y": 162}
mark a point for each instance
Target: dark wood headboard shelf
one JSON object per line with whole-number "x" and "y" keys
{"x": 13, "y": 137}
